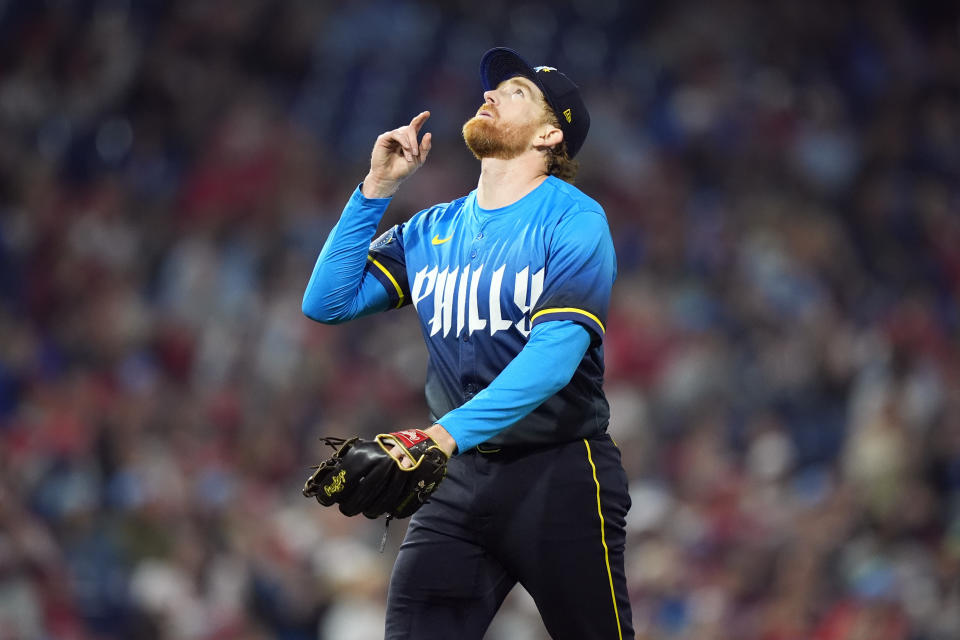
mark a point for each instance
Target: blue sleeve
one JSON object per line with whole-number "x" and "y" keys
{"x": 580, "y": 269}
{"x": 343, "y": 284}
{"x": 544, "y": 366}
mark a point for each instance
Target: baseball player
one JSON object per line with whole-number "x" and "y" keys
{"x": 511, "y": 284}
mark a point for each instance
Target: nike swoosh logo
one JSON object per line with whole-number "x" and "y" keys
{"x": 438, "y": 240}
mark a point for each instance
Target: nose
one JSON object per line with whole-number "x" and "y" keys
{"x": 490, "y": 96}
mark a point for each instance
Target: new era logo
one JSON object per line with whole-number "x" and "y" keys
{"x": 568, "y": 115}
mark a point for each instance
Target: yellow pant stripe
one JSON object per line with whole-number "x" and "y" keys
{"x": 570, "y": 310}
{"x": 392, "y": 280}
{"x": 603, "y": 539}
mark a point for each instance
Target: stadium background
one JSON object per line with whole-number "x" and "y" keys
{"x": 781, "y": 180}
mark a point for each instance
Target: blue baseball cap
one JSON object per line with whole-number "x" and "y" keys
{"x": 561, "y": 93}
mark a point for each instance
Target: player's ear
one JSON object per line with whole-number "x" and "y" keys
{"x": 547, "y": 135}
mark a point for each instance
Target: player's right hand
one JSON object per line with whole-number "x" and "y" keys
{"x": 396, "y": 155}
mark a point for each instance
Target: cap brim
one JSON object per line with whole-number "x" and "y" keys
{"x": 501, "y": 64}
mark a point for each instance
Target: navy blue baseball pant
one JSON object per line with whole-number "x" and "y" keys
{"x": 551, "y": 518}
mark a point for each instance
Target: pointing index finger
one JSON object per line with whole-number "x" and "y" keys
{"x": 418, "y": 120}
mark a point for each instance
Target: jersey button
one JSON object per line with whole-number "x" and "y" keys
{"x": 465, "y": 338}
{"x": 470, "y": 388}
{"x": 473, "y": 254}
{"x": 479, "y": 235}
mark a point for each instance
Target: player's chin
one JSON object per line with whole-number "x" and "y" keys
{"x": 476, "y": 128}
{"x": 478, "y": 122}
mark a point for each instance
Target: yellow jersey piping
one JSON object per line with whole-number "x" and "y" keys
{"x": 570, "y": 310}
{"x": 392, "y": 280}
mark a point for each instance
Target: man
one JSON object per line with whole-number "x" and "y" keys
{"x": 511, "y": 284}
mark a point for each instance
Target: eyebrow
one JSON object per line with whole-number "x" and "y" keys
{"x": 525, "y": 83}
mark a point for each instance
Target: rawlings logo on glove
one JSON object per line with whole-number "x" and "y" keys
{"x": 368, "y": 477}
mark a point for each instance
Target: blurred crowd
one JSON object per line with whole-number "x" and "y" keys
{"x": 782, "y": 181}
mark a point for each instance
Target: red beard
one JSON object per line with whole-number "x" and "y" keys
{"x": 488, "y": 139}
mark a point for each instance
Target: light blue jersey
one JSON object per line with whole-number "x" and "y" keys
{"x": 481, "y": 281}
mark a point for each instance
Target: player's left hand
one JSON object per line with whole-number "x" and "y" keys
{"x": 369, "y": 476}
{"x": 437, "y": 433}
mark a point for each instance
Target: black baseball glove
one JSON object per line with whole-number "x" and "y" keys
{"x": 365, "y": 476}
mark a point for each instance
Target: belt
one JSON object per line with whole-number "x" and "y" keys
{"x": 520, "y": 449}
{"x": 514, "y": 450}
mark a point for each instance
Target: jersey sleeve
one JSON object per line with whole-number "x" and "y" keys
{"x": 386, "y": 263}
{"x": 342, "y": 286}
{"x": 580, "y": 270}
{"x": 544, "y": 366}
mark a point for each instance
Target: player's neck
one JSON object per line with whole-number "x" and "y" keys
{"x": 503, "y": 182}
